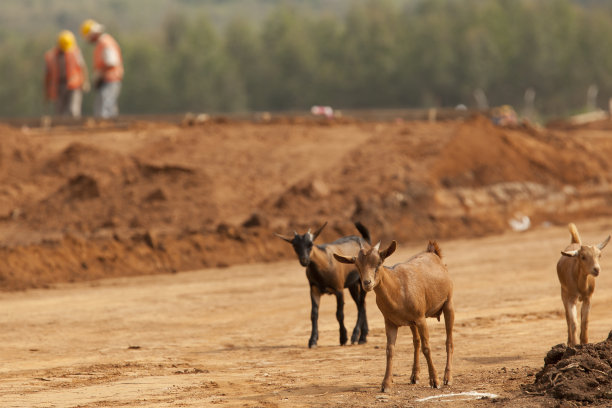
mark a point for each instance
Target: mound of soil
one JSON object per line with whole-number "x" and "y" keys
{"x": 473, "y": 156}
{"x": 581, "y": 373}
{"x": 98, "y": 201}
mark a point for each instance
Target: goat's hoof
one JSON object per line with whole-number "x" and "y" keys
{"x": 312, "y": 343}
{"x": 414, "y": 379}
{"x": 448, "y": 379}
{"x": 385, "y": 388}
{"x": 363, "y": 341}
{"x": 434, "y": 383}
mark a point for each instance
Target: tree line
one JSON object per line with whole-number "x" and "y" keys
{"x": 379, "y": 54}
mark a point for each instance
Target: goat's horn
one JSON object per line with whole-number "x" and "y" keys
{"x": 316, "y": 234}
{"x": 284, "y": 238}
{"x": 377, "y": 246}
{"x": 604, "y": 243}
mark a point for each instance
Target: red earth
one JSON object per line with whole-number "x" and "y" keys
{"x": 108, "y": 200}
{"x": 103, "y": 201}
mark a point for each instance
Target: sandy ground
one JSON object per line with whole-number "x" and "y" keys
{"x": 237, "y": 336}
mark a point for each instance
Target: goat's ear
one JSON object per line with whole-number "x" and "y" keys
{"x": 289, "y": 240}
{"x": 344, "y": 259}
{"x": 390, "y": 249}
{"x": 569, "y": 253}
{"x": 604, "y": 243}
{"x": 316, "y": 234}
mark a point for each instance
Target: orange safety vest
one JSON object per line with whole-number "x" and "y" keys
{"x": 109, "y": 74}
{"x": 74, "y": 71}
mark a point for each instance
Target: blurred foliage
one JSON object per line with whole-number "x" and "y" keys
{"x": 207, "y": 56}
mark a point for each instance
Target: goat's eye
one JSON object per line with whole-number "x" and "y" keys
{"x": 582, "y": 257}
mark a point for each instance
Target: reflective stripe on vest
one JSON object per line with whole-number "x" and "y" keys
{"x": 110, "y": 74}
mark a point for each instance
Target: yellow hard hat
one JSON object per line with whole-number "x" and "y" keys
{"x": 65, "y": 40}
{"x": 90, "y": 26}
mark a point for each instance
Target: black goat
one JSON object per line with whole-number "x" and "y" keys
{"x": 326, "y": 275}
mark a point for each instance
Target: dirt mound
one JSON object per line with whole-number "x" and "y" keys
{"x": 121, "y": 190}
{"x": 481, "y": 154}
{"x": 464, "y": 178}
{"x": 215, "y": 194}
{"x": 581, "y": 373}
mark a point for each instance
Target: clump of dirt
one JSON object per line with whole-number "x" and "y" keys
{"x": 82, "y": 187}
{"x": 581, "y": 373}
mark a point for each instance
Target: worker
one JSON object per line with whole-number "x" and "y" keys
{"x": 66, "y": 75}
{"x": 108, "y": 69}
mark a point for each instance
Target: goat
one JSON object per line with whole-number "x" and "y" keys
{"x": 326, "y": 276}
{"x": 406, "y": 294}
{"x": 577, "y": 269}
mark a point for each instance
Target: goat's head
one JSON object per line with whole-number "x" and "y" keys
{"x": 588, "y": 257}
{"x": 302, "y": 244}
{"x": 368, "y": 261}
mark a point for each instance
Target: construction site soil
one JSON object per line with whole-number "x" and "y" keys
{"x": 220, "y": 312}
{"x": 581, "y": 373}
{"x": 103, "y": 201}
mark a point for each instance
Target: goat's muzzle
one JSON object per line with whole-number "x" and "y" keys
{"x": 595, "y": 272}
{"x": 304, "y": 261}
{"x": 367, "y": 285}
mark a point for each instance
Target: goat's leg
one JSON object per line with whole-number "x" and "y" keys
{"x": 364, "y": 318}
{"x": 449, "y": 320}
{"x": 361, "y": 327}
{"x": 416, "y": 342}
{"x": 584, "y": 320}
{"x": 424, "y": 332}
{"x": 315, "y": 298}
{"x": 391, "y": 330}
{"x": 572, "y": 321}
{"x": 340, "y": 316}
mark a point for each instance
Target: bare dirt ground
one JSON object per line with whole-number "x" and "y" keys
{"x": 98, "y": 223}
{"x": 104, "y": 200}
{"x": 237, "y": 336}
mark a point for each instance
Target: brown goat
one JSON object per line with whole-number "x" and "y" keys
{"x": 407, "y": 294}
{"x": 577, "y": 269}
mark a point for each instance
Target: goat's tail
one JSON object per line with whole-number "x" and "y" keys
{"x": 364, "y": 232}
{"x": 435, "y": 248}
{"x": 574, "y": 233}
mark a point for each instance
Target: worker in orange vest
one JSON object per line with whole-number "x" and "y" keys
{"x": 66, "y": 75}
{"x": 108, "y": 69}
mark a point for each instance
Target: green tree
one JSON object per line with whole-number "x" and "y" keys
{"x": 243, "y": 49}
{"x": 201, "y": 77}
{"x": 289, "y": 61}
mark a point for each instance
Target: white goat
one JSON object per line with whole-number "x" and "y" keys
{"x": 406, "y": 294}
{"x": 577, "y": 269}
